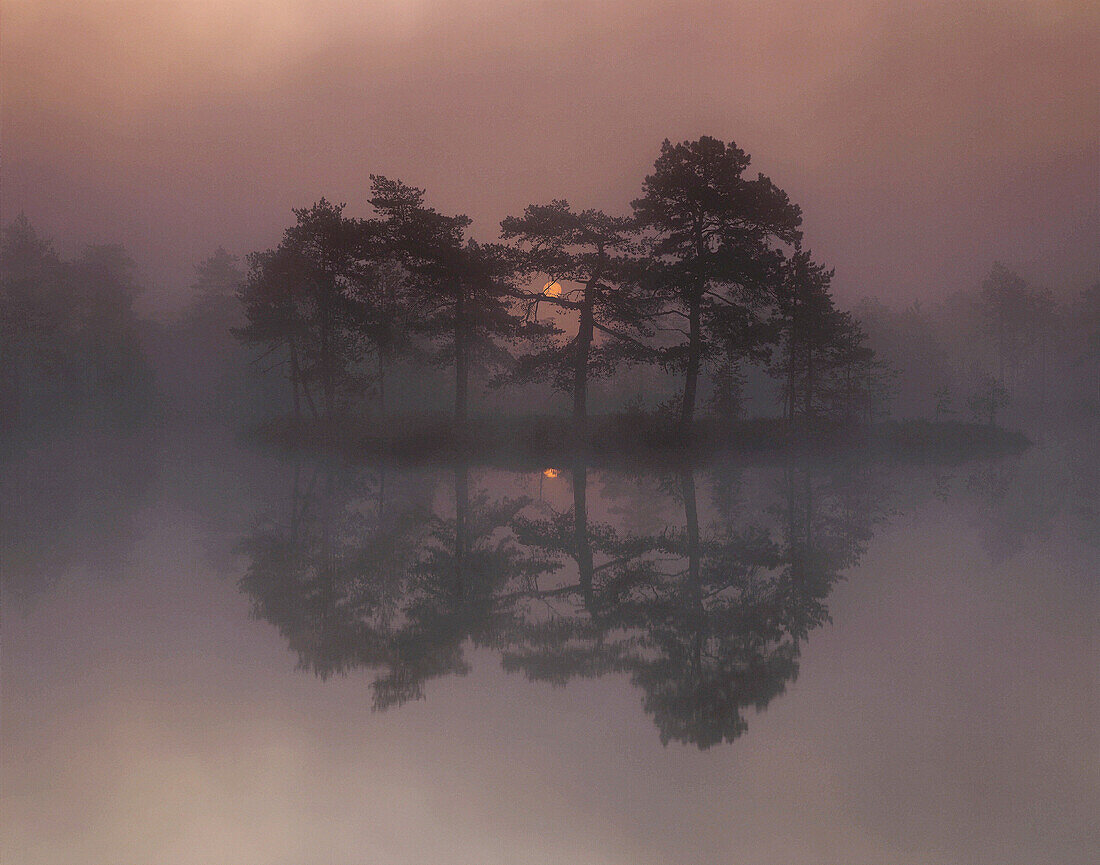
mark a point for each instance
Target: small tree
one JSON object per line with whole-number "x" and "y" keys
{"x": 988, "y": 400}
{"x": 1005, "y": 304}
{"x": 944, "y": 402}
{"x": 857, "y": 382}
{"x": 807, "y": 325}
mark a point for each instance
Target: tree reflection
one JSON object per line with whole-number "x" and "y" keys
{"x": 706, "y": 616}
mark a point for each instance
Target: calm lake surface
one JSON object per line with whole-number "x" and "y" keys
{"x": 213, "y": 653}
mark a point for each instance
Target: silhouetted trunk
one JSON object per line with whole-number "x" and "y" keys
{"x": 694, "y": 362}
{"x": 300, "y": 386}
{"x": 580, "y": 368}
{"x": 382, "y": 388}
{"x": 462, "y": 361}
{"x": 327, "y": 386}
{"x": 809, "y": 382}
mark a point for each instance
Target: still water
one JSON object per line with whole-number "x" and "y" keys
{"x": 214, "y": 653}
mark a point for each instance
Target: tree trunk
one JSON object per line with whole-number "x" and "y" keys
{"x": 327, "y": 389}
{"x": 580, "y": 368}
{"x": 300, "y": 386}
{"x": 382, "y": 387}
{"x": 809, "y": 382}
{"x": 694, "y": 362}
{"x": 462, "y": 362}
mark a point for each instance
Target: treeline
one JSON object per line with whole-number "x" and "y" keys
{"x": 70, "y": 343}
{"x": 702, "y": 299}
{"x": 1005, "y": 345}
{"x": 706, "y": 277}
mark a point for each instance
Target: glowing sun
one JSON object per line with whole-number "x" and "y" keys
{"x": 552, "y": 289}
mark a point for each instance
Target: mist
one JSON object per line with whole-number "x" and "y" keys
{"x": 492, "y": 432}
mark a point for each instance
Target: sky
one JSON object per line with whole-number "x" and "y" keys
{"x": 923, "y": 140}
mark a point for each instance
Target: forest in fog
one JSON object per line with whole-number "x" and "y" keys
{"x": 703, "y": 303}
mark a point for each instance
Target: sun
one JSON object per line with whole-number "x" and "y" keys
{"x": 552, "y": 289}
{"x": 552, "y": 473}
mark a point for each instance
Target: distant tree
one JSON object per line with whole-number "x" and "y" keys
{"x": 115, "y": 375}
{"x": 1005, "y": 302}
{"x": 909, "y": 342}
{"x": 808, "y": 325}
{"x": 727, "y": 399}
{"x": 1089, "y": 322}
{"x": 35, "y": 317}
{"x": 858, "y": 383}
{"x": 70, "y": 345}
{"x": 1042, "y": 324}
{"x": 710, "y": 231}
{"x": 298, "y": 298}
{"x": 214, "y": 304}
{"x": 944, "y": 402}
{"x": 461, "y": 290}
{"x": 988, "y": 399}
{"x": 590, "y": 250}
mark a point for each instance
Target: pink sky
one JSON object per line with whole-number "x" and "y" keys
{"x": 922, "y": 140}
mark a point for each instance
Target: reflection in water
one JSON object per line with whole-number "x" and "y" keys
{"x": 400, "y": 571}
{"x": 68, "y": 506}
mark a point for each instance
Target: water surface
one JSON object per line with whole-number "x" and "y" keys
{"x": 214, "y": 653}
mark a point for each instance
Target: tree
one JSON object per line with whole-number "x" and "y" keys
{"x": 944, "y": 400}
{"x": 34, "y": 316}
{"x": 988, "y": 399}
{"x": 1089, "y": 322}
{"x": 1005, "y": 303}
{"x": 590, "y": 250}
{"x": 70, "y": 344}
{"x": 711, "y": 232}
{"x": 808, "y": 325}
{"x": 461, "y": 289}
{"x": 858, "y": 383}
{"x": 298, "y": 298}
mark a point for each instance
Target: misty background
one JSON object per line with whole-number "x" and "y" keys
{"x": 923, "y": 142}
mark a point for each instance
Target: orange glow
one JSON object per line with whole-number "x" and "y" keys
{"x": 552, "y": 473}
{"x": 552, "y": 289}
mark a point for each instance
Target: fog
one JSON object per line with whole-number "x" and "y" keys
{"x": 493, "y": 432}
{"x": 923, "y": 142}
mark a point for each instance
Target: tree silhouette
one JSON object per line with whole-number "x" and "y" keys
{"x": 1005, "y": 299}
{"x": 711, "y": 232}
{"x": 808, "y": 326}
{"x": 298, "y": 298}
{"x": 988, "y": 400}
{"x": 461, "y": 289}
{"x": 591, "y": 250}
{"x": 70, "y": 346}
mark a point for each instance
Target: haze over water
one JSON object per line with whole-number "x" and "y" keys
{"x": 484, "y": 432}
{"x": 945, "y": 714}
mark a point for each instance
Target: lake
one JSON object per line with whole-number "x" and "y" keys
{"x": 214, "y": 652}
